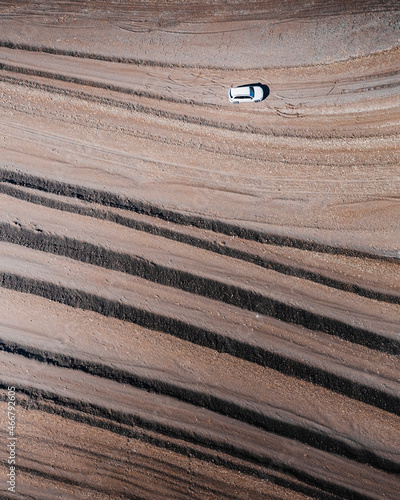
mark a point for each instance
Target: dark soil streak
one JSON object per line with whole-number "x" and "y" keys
{"x": 239, "y": 297}
{"x": 149, "y": 228}
{"x": 127, "y": 425}
{"x": 298, "y": 432}
{"x": 206, "y": 338}
{"x": 114, "y": 200}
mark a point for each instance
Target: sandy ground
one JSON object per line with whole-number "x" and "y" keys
{"x": 200, "y": 300}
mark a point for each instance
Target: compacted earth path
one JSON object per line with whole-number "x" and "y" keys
{"x": 200, "y": 300}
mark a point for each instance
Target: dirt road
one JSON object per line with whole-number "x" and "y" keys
{"x": 200, "y": 300}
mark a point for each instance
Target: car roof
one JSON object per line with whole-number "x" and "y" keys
{"x": 236, "y": 91}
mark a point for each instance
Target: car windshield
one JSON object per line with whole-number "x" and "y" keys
{"x": 251, "y": 92}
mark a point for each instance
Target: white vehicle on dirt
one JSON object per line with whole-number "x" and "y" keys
{"x": 246, "y": 93}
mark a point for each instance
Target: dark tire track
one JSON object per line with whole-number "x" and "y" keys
{"x": 116, "y": 201}
{"x": 166, "y": 435}
{"x": 245, "y": 299}
{"x": 206, "y": 338}
{"x": 274, "y": 473}
{"x": 175, "y": 235}
{"x": 212, "y": 402}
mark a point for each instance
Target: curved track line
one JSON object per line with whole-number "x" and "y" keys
{"x": 147, "y": 62}
{"x": 92, "y": 83}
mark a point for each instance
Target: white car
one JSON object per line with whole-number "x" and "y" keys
{"x": 247, "y": 93}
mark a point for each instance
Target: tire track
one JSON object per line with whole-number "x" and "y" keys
{"x": 212, "y": 289}
{"x": 272, "y": 473}
{"x": 99, "y": 85}
{"x": 151, "y": 227}
{"x": 208, "y": 446}
{"x": 296, "y": 365}
{"x": 211, "y": 401}
{"x": 85, "y": 55}
{"x": 109, "y": 199}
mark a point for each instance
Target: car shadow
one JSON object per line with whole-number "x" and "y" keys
{"x": 262, "y": 85}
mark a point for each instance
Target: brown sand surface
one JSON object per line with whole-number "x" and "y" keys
{"x": 198, "y": 299}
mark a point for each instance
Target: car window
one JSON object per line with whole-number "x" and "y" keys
{"x": 251, "y": 92}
